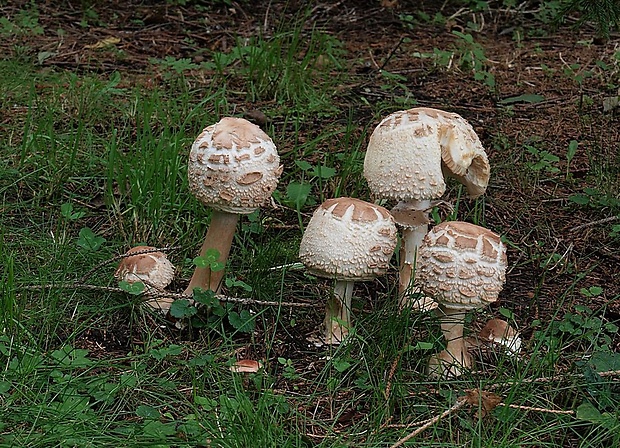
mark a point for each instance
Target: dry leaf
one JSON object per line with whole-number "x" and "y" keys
{"x": 245, "y": 366}
{"x": 389, "y": 4}
{"x": 484, "y": 401}
{"x": 107, "y": 42}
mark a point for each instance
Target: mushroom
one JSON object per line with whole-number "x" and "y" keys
{"x": 408, "y": 155}
{"x": 150, "y": 267}
{"x": 498, "y": 332}
{"x": 463, "y": 267}
{"x": 348, "y": 240}
{"x": 234, "y": 168}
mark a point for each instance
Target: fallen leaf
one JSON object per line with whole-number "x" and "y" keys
{"x": 389, "y": 4}
{"x": 245, "y": 366}
{"x": 104, "y": 43}
{"x": 484, "y": 401}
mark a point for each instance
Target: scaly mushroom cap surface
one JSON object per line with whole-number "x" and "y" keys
{"x": 461, "y": 265}
{"x": 153, "y": 269}
{"x": 233, "y": 166}
{"x": 409, "y": 152}
{"x": 348, "y": 239}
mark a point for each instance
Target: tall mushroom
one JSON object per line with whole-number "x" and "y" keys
{"x": 408, "y": 155}
{"x": 348, "y": 240}
{"x": 150, "y": 267}
{"x": 234, "y": 168}
{"x": 463, "y": 267}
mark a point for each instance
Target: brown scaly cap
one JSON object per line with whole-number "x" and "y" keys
{"x": 348, "y": 239}
{"x": 152, "y": 268}
{"x": 462, "y": 265}
{"x": 411, "y": 151}
{"x": 233, "y": 166}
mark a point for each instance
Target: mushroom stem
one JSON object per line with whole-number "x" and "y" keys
{"x": 219, "y": 237}
{"x": 413, "y": 217}
{"x": 338, "y": 312}
{"x": 451, "y": 361}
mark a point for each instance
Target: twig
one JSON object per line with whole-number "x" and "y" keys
{"x": 530, "y": 408}
{"x": 594, "y": 223}
{"x": 156, "y": 295}
{"x": 455, "y": 407}
{"x": 391, "y": 53}
{"x": 548, "y": 379}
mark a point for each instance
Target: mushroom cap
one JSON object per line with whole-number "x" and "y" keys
{"x": 348, "y": 239}
{"x": 410, "y": 151}
{"x": 461, "y": 265}
{"x": 153, "y": 269}
{"x": 500, "y": 332}
{"x": 233, "y": 166}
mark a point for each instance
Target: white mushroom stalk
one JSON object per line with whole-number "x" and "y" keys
{"x": 348, "y": 240}
{"x": 408, "y": 155}
{"x": 233, "y": 168}
{"x": 150, "y": 267}
{"x": 463, "y": 266}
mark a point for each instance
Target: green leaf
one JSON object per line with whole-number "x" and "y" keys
{"x": 586, "y": 411}
{"x": 161, "y": 353}
{"x": 508, "y": 314}
{"x": 206, "y": 297}
{"x": 303, "y": 165}
{"x": 148, "y": 412}
{"x": 297, "y": 193}
{"x": 5, "y": 386}
{"x": 182, "y": 308}
{"x": 340, "y": 364}
{"x": 324, "y": 172}
{"x": 243, "y": 321}
{"x": 603, "y": 361}
{"x": 66, "y": 210}
{"x": 89, "y": 240}
{"x": 580, "y": 199}
{"x": 132, "y": 288}
{"x": 572, "y": 150}
{"x": 525, "y": 98}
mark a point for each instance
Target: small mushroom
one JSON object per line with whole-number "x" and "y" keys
{"x": 348, "y": 240}
{"x": 463, "y": 267}
{"x": 408, "y": 155}
{"x": 499, "y": 332}
{"x": 234, "y": 168}
{"x": 150, "y": 267}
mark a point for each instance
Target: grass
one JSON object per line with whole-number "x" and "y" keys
{"x": 92, "y": 164}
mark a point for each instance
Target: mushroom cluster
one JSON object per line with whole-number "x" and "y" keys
{"x": 234, "y": 168}
{"x": 347, "y": 240}
{"x": 408, "y": 157}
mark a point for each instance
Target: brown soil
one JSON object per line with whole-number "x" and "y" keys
{"x": 553, "y": 239}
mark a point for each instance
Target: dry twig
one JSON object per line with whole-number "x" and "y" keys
{"x": 156, "y": 295}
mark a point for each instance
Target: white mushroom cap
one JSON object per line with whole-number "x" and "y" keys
{"x": 153, "y": 269}
{"x": 348, "y": 239}
{"x": 233, "y": 166}
{"x": 410, "y": 150}
{"x": 461, "y": 265}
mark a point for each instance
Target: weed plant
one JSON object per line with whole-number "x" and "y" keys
{"x": 93, "y": 164}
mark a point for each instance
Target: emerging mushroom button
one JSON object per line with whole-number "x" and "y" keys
{"x": 463, "y": 266}
{"x": 408, "y": 155}
{"x": 234, "y": 168}
{"x": 348, "y": 240}
{"x": 150, "y": 267}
